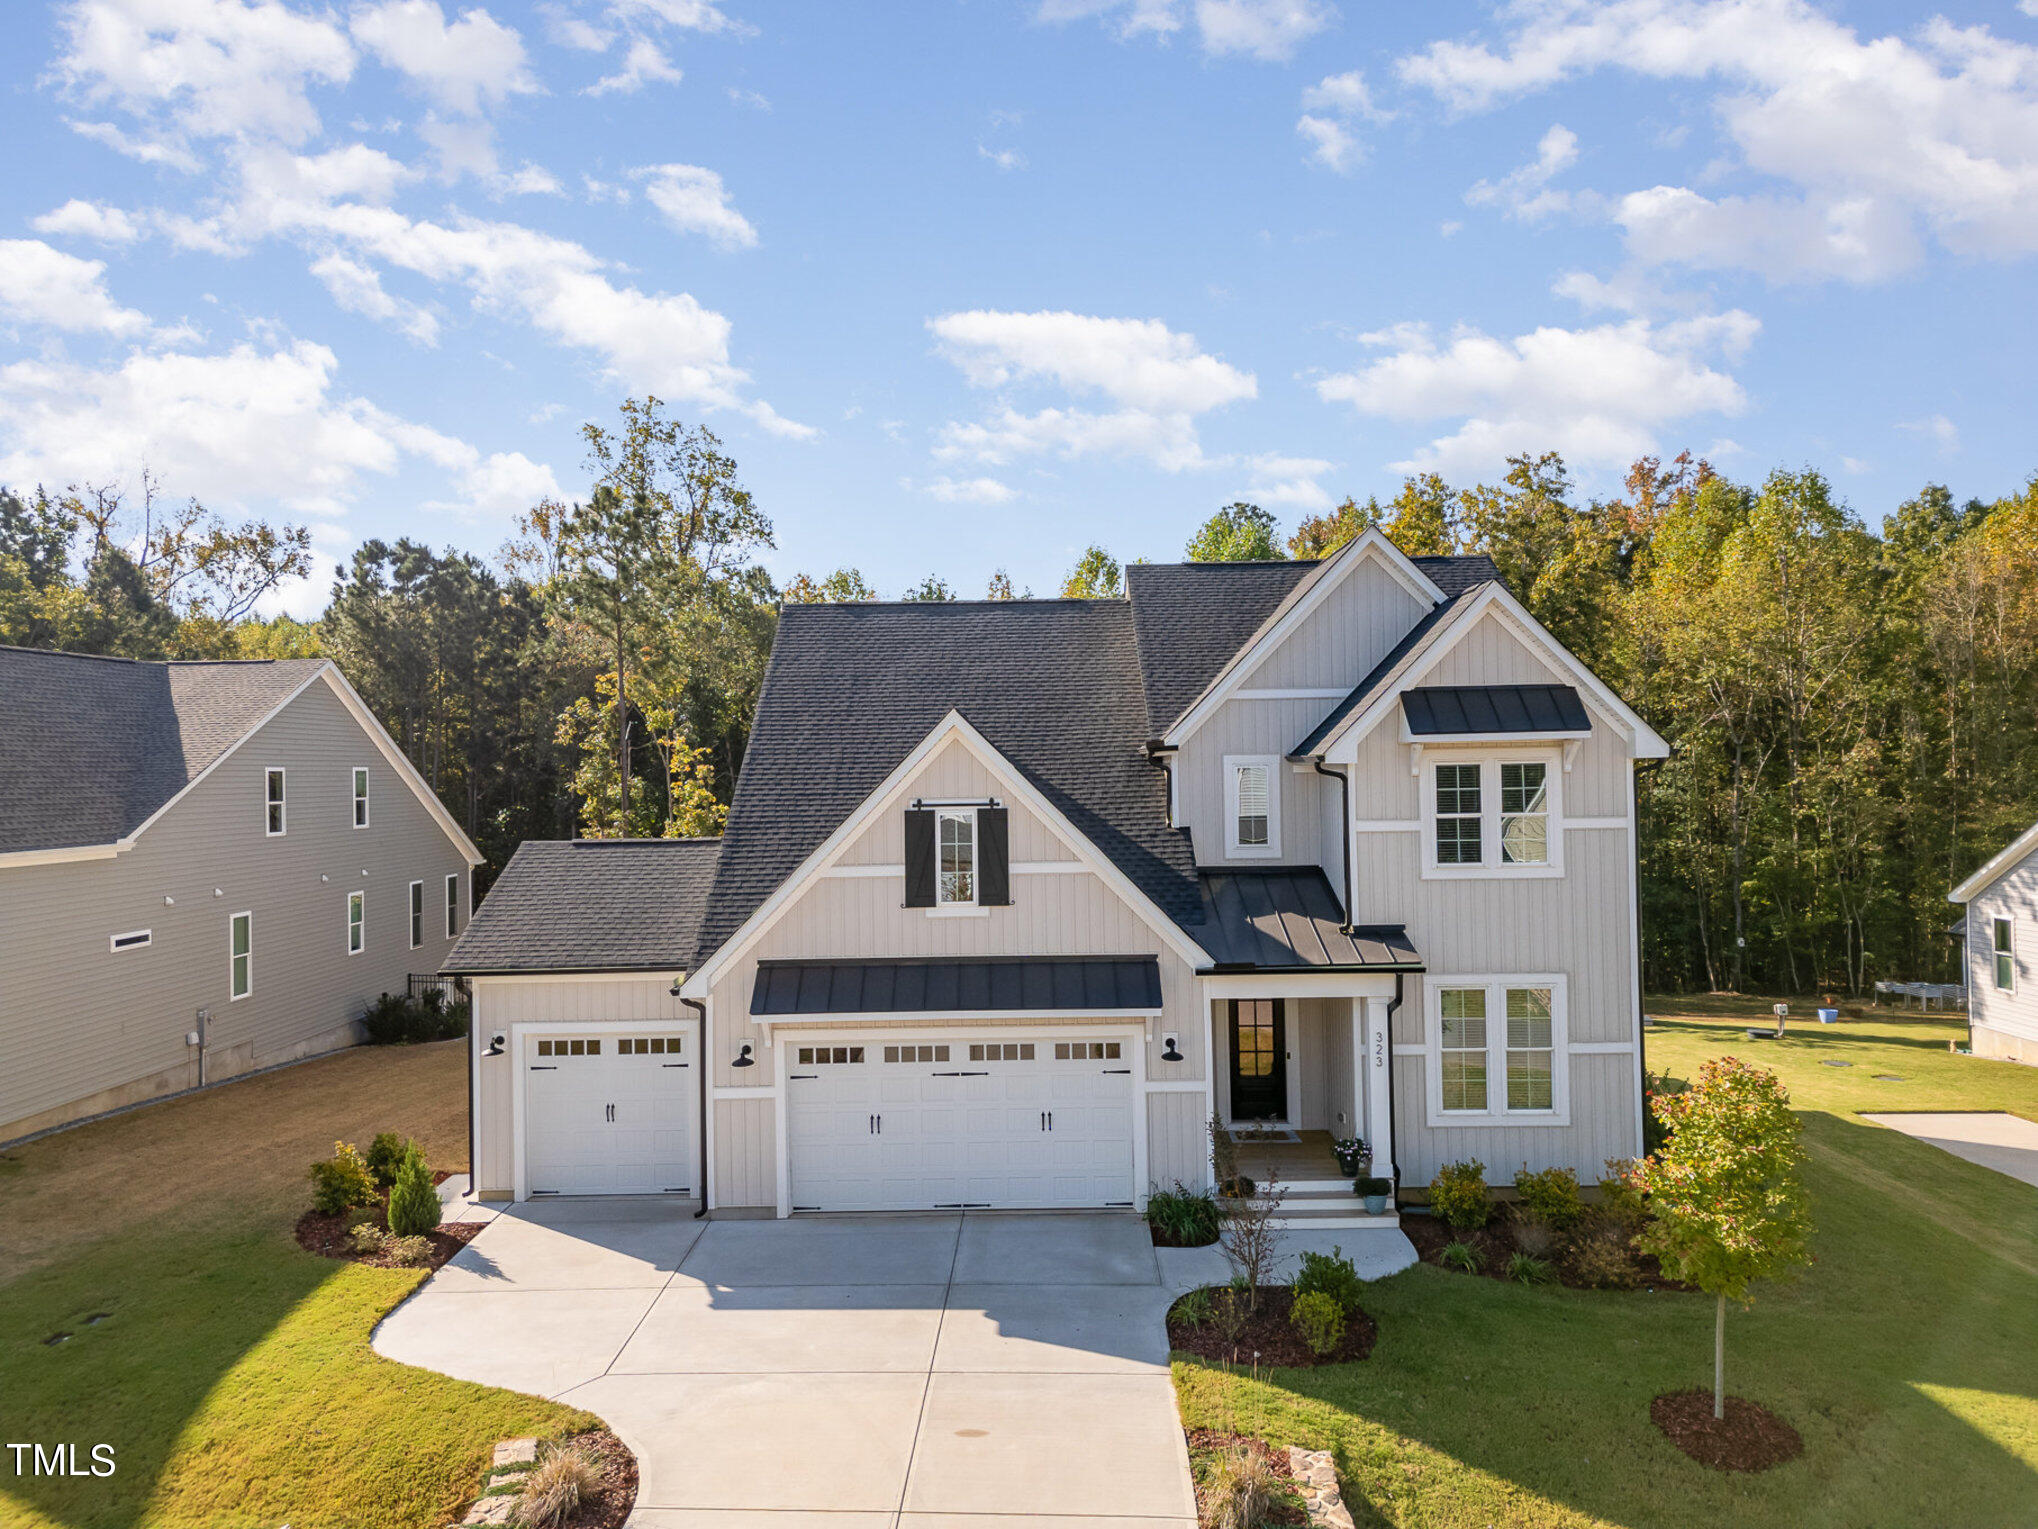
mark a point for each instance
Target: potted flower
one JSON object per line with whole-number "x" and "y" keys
{"x": 1354, "y": 1157}
{"x": 1376, "y": 1193}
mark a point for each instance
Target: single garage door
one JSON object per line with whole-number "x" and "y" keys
{"x": 609, "y": 1114}
{"x": 960, "y": 1121}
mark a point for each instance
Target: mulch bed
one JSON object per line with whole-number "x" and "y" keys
{"x": 1268, "y": 1338}
{"x": 326, "y": 1235}
{"x": 1749, "y": 1438}
{"x": 1163, "y": 1239}
{"x": 1207, "y": 1447}
{"x": 1494, "y": 1243}
{"x": 609, "y": 1505}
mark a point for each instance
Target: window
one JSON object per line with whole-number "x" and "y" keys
{"x": 1252, "y": 809}
{"x": 916, "y": 1053}
{"x": 648, "y": 1045}
{"x": 1497, "y": 1051}
{"x": 956, "y": 867}
{"x": 354, "y": 921}
{"x": 1002, "y": 1051}
{"x": 417, "y": 914}
{"x": 360, "y": 797}
{"x": 241, "y": 956}
{"x": 840, "y": 1056}
{"x": 2001, "y": 943}
{"x": 567, "y": 1048}
{"x": 133, "y": 939}
{"x": 274, "y": 797}
{"x": 452, "y": 905}
{"x": 1086, "y": 1051}
{"x": 1524, "y": 814}
{"x": 1458, "y": 814}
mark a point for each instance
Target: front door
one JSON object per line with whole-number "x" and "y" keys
{"x": 1259, "y": 1059}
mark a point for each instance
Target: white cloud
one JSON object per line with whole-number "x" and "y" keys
{"x": 1273, "y": 480}
{"x": 644, "y": 63}
{"x": 1880, "y": 143}
{"x": 694, "y": 201}
{"x": 750, "y": 98}
{"x": 88, "y": 220}
{"x": 146, "y": 151}
{"x": 1938, "y": 429}
{"x": 43, "y": 286}
{"x": 1525, "y": 193}
{"x": 1004, "y": 159}
{"x": 473, "y": 63}
{"x": 969, "y": 491}
{"x": 1596, "y": 394}
{"x": 1265, "y": 29}
{"x": 1329, "y": 107}
{"x": 1345, "y": 94}
{"x": 1331, "y": 144}
{"x": 358, "y": 289}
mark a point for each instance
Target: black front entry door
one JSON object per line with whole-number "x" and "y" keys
{"x": 1259, "y": 1060}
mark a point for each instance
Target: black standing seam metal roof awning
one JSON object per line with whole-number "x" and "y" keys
{"x": 1444, "y": 710}
{"x": 1288, "y": 918}
{"x": 1093, "y": 984}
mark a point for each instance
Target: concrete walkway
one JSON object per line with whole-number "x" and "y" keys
{"x": 2004, "y": 1142}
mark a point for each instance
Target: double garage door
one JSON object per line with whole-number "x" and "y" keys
{"x": 609, "y": 1114}
{"x": 960, "y": 1121}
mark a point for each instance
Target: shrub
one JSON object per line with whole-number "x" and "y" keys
{"x": 1551, "y": 1196}
{"x": 1329, "y": 1274}
{"x": 1461, "y": 1255}
{"x": 1603, "y": 1258}
{"x": 1621, "y": 1201}
{"x": 1242, "y": 1490}
{"x": 413, "y": 1201}
{"x": 411, "y": 1252}
{"x": 1525, "y": 1270}
{"x": 1187, "y": 1217}
{"x": 564, "y": 1477}
{"x": 398, "y": 1019}
{"x": 1193, "y": 1309}
{"x": 1458, "y": 1194}
{"x": 1320, "y": 1319}
{"x": 367, "y": 1238}
{"x": 1532, "y": 1234}
{"x": 341, "y": 1181}
{"x": 1232, "y": 1310}
{"x": 384, "y": 1155}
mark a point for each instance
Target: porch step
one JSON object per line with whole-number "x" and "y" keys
{"x": 1316, "y": 1208}
{"x": 1333, "y": 1221}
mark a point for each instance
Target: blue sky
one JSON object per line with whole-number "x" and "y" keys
{"x": 968, "y": 286}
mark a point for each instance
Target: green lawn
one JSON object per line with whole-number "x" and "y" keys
{"x": 1905, "y": 1356}
{"x": 232, "y": 1372}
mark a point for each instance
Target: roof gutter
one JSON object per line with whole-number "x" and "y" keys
{"x": 1344, "y": 821}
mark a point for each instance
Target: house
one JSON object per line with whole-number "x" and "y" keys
{"x": 2001, "y": 900}
{"x": 1016, "y": 896}
{"x": 205, "y": 868}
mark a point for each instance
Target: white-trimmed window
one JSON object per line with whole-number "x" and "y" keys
{"x": 1252, "y": 805}
{"x": 360, "y": 796}
{"x": 356, "y": 933}
{"x": 134, "y": 939}
{"x": 417, "y": 914}
{"x": 453, "y": 905}
{"x": 2003, "y": 953}
{"x": 1492, "y": 815}
{"x": 955, "y": 867}
{"x": 272, "y": 794}
{"x": 1497, "y": 1050}
{"x": 240, "y": 944}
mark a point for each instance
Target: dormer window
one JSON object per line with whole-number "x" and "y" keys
{"x": 1252, "y": 806}
{"x": 956, "y": 882}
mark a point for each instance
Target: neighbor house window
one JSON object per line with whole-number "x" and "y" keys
{"x": 360, "y": 798}
{"x": 1524, "y": 814}
{"x": 274, "y": 794}
{"x": 1531, "y": 1053}
{"x": 354, "y": 922}
{"x": 1498, "y": 1053}
{"x": 956, "y": 845}
{"x": 1458, "y": 814}
{"x": 1461, "y": 1042}
{"x": 1251, "y": 811}
{"x": 2001, "y": 943}
{"x": 1495, "y": 816}
{"x": 417, "y": 914}
{"x": 241, "y": 958}
{"x": 452, "y": 905}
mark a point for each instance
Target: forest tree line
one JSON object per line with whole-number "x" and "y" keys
{"x": 1853, "y": 712}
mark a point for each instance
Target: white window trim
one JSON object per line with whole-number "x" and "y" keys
{"x": 1489, "y": 761}
{"x": 1995, "y": 952}
{"x": 282, "y": 803}
{"x": 417, "y": 914}
{"x": 231, "y": 995}
{"x": 974, "y": 908}
{"x": 141, "y": 940}
{"x": 1496, "y": 1112}
{"x": 352, "y": 898}
{"x": 1233, "y": 850}
{"x": 452, "y": 905}
{"x": 359, "y": 798}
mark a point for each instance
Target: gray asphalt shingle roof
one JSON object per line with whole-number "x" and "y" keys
{"x": 94, "y": 746}
{"x": 591, "y": 905}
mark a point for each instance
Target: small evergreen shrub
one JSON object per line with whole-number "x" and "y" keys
{"x": 411, "y": 1252}
{"x": 384, "y": 1155}
{"x": 413, "y": 1201}
{"x": 1188, "y": 1218}
{"x": 1317, "y": 1315}
{"x": 1329, "y": 1274}
{"x": 397, "y": 1019}
{"x": 367, "y": 1238}
{"x": 1551, "y": 1196}
{"x": 1458, "y": 1194}
{"x": 1460, "y": 1255}
{"x": 1526, "y": 1270}
{"x": 341, "y": 1181}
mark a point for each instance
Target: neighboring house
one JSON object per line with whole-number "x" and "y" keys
{"x": 1016, "y": 896}
{"x": 204, "y": 868}
{"x": 2002, "y": 937}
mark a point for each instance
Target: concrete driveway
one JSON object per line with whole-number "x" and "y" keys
{"x": 922, "y": 1372}
{"x": 2004, "y": 1142}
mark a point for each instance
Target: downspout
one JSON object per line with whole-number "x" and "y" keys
{"x": 1393, "y": 1007}
{"x": 473, "y": 1067}
{"x": 1641, "y": 1035}
{"x": 700, "y": 1008}
{"x": 1344, "y": 783}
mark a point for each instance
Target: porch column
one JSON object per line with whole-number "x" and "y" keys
{"x": 1374, "y": 1081}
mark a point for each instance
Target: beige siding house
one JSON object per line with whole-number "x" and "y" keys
{"x": 1016, "y": 898}
{"x": 2001, "y": 901}
{"x": 205, "y": 868}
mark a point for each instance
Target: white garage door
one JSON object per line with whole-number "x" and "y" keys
{"x": 960, "y": 1121}
{"x": 609, "y": 1114}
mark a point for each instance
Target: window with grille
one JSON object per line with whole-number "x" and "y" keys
{"x": 241, "y": 956}
{"x": 356, "y": 922}
{"x": 360, "y": 798}
{"x": 916, "y": 1053}
{"x": 817, "y": 1056}
{"x": 1457, "y": 791}
{"x": 2001, "y": 940}
{"x": 1461, "y": 1042}
{"x": 1524, "y": 814}
{"x": 273, "y": 794}
{"x": 1001, "y": 1051}
{"x": 648, "y": 1045}
{"x": 569, "y": 1048}
{"x": 1531, "y": 1051}
{"x": 956, "y": 846}
{"x": 1086, "y": 1051}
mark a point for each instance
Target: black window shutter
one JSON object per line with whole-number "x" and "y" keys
{"x": 919, "y": 858}
{"x": 994, "y": 857}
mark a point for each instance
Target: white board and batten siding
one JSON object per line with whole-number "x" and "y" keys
{"x": 2005, "y": 1023}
